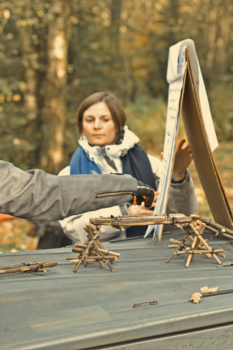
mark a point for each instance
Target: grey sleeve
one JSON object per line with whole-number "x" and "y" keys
{"x": 182, "y": 197}
{"x": 37, "y": 195}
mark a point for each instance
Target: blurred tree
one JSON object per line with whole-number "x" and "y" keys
{"x": 54, "y": 53}
{"x": 32, "y": 77}
{"x": 54, "y": 113}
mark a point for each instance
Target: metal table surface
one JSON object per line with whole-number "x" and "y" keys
{"x": 93, "y": 308}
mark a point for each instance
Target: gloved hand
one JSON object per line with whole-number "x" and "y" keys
{"x": 144, "y": 193}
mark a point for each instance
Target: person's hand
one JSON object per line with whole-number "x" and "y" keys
{"x": 141, "y": 209}
{"x": 183, "y": 158}
{"x": 144, "y": 193}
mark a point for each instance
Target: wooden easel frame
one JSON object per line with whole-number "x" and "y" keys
{"x": 190, "y": 109}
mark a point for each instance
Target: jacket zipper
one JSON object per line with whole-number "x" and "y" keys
{"x": 112, "y": 194}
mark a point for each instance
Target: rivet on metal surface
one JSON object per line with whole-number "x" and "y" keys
{"x": 153, "y": 302}
{"x": 136, "y": 305}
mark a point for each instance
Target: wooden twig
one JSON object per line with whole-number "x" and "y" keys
{"x": 201, "y": 231}
{"x": 221, "y": 229}
{"x": 85, "y": 252}
{"x": 178, "y": 247}
{"x": 205, "y": 244}
{"x": 141, "y": 220}
{"x": 199, "y": 251}
{"x": 93, "y": 258}
{"x": 104, "y": 251}
{"x": 37, "y": 267}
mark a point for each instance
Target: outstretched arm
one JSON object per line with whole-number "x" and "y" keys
{"x": 38, "y": 195}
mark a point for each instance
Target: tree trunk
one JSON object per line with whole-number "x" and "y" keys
{"x": 30, "y": 62}
{"x": 115, "y": 25}
{"x": 55, "y": 99}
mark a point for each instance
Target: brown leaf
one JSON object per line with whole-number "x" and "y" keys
{"x": 206, "y": 289}
{"x": 196, "y": 297}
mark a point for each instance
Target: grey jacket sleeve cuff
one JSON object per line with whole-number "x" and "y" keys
{"x": 184, "y": 182}
{"x": 182, "y": 197}
{"x": 180, "y": 181}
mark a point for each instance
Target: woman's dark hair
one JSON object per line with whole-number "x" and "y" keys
{"x": 117, "y": 111}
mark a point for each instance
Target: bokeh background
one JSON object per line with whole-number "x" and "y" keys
{"x": 54, "y": 53}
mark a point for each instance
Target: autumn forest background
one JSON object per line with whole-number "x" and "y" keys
{"x": 54, "y": 53}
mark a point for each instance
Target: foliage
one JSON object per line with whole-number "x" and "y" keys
{"x": 222, "y": 109}
{"x": 109, "y": 45}
{"x": 13, "y": 236}
{"x": 146, "y": 117}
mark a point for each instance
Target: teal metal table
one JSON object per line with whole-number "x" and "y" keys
{"x": 93, "y": 308}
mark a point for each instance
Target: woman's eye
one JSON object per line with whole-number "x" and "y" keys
{"x": 106, "y": 120}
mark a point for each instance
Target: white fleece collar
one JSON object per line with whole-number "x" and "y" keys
{"x": 113, "y": 151}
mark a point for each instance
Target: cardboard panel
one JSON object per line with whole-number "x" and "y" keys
{"x": 201, "y": 151}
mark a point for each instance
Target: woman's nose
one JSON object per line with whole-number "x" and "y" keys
{"x": 97, "y": 124}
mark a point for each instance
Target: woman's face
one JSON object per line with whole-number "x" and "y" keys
{"x": 98, "y": 125}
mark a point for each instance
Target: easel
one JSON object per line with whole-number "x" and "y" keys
{"x": 202, "y": 154}
{"x": 190, "y": 108}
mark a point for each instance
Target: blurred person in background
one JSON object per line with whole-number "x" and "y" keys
{"x": 50, "y": 234}
{"x": 107, "y": 146}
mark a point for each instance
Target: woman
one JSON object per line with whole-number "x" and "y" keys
{"x": 107, "y": 146}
